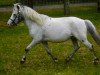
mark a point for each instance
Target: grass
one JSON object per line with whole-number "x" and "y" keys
{"x": 14, "y": 40}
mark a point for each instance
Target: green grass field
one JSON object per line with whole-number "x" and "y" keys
{"x": 14, "y": 40}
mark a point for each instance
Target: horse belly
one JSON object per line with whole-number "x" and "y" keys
{"x": 57, "y": 34}
{"x": 58, "y": 38}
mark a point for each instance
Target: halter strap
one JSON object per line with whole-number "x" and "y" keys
{"x": 16, "y": 16}
{"x": 14, "y": 19}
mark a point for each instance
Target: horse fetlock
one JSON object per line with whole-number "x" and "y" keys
{"x": 96, "y": 61}
{"x": 23, "y": 60}
{"x": 68, "y": 58}
{"x": 26, "y": 49}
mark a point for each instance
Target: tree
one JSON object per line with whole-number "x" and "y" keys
{"x": 98, "y": 5}
{"x": 26, "y": 2}
{"x": 66, "y": 7}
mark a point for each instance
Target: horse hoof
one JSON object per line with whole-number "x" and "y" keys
{"x": 23, "y": 60}
{"x": 67, "y": 59}
{"x": 55, "y": 60}
{"x": 96, "y": 61}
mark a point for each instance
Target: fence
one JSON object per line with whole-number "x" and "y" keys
{"x": 51, "y": 2}
{"x": 43, "y": 2}
{"x": 46, "y": 2}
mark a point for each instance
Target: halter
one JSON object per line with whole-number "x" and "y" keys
{"x": 17, "y": 16}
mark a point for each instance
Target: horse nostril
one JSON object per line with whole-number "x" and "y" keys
{"x": 8, "y": 23}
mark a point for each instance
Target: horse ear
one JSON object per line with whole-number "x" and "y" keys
{"x": 18, "y": 7}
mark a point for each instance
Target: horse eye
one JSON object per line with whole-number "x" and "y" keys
{"x": 13, "y": 9}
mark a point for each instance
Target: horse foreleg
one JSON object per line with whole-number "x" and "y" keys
{"x": 76, "y": 47}
{"x": 49, "y": 51}
{"x": 27, "y": 50}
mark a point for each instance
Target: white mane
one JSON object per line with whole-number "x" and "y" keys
{"x": 33, "y": 15}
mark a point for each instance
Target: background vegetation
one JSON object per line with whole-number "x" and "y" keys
{"x": 6, "y": 2}
{"x": 14, "y": 40}
{"x": 42, "y": 2}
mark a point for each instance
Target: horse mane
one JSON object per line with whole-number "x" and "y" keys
{"x": 33, "y": 15}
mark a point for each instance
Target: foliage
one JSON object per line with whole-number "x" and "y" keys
{"x": 6, "y": 2}
{"x": 43, "y": 2}
{"x": 14, "y": 40}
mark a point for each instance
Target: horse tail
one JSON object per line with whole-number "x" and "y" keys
{"x": 92, "y": 30}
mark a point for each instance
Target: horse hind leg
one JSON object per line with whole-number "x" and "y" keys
{"x": 75, "y": 46}
{"x": 90, "y": 46}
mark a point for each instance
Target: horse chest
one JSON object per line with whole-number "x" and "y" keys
{"x": 35, "y": 31}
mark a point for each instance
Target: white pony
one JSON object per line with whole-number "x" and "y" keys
{"x": 43, "y": 28}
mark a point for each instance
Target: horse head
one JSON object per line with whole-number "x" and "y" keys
{"x": 16, "y": 16}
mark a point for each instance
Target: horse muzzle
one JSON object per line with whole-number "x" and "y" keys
{"x": 11, "y": 23}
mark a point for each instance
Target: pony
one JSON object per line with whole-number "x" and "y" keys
{"x": 44, "y": 29}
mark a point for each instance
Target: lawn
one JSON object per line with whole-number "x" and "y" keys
{"x": 14, "y": 40}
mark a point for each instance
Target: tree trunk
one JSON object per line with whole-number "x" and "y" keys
{"x": 66, "y": 7}
{"x": 98, "y": 6}
{"x": 30, "y": 3}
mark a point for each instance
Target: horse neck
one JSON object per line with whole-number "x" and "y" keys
{"x": 30, "y": 24}
{"x": 32, "y": 15}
